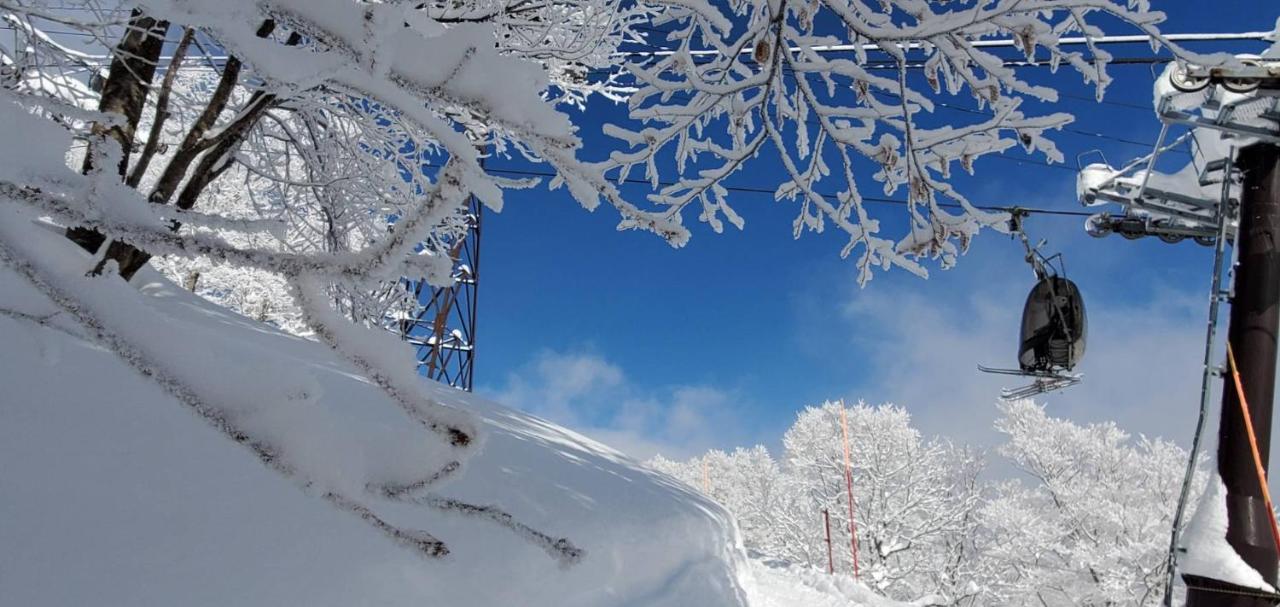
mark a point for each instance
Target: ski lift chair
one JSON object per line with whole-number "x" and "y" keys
{"x": 1053, "y": 330}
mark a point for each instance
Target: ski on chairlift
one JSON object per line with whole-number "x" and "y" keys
{"x": 1053, "y": 330}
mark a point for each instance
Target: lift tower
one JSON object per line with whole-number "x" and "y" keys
{"x": 1232, "y": 114}
{"x": 443, "y": 327}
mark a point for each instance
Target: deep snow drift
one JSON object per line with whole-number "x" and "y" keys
{"x": 113, "y": 492}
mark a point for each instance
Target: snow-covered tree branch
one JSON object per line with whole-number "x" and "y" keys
{"x": 795, "y": 83}
{"x": 293, "y": 146}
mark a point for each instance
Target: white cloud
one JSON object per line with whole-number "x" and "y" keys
{"x": 586, "y": 392}
{"x": 553, "y": 384}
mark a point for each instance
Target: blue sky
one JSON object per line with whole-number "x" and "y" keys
{"x": 720, "y": 343}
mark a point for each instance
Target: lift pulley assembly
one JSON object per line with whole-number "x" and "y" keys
{"x": 1260, "y": 75}
{"x": 1054, "y": 326}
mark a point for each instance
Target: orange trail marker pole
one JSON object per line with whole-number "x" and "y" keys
{"x": 848, "y": 483}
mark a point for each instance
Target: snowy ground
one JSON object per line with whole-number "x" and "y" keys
{"x": 775, "y": 584}
{"x": 112, "y": 492}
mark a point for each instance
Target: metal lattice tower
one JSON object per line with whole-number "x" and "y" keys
{"x": 443, "y": 328}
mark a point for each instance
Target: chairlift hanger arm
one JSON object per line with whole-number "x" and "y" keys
{"x": 1041, "y": 265}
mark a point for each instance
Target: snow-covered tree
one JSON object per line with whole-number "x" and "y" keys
{"x": 746, "y": 481}
{"x": 303, "y": 157}
{"x": 324, "y": 177}
{"x": 1092, "y": 526}
{"x": 800, "y": 78}
{"x": 915, "y": 500}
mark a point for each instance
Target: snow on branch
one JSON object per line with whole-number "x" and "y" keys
{"x": 752, "y": 80}
{"x": 108, "y": 323}
{"x": 291, "y": 138}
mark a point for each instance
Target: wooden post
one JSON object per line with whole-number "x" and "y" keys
{"x": 831, "y": 561}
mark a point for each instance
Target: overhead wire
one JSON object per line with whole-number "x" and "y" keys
{"x": 761, "y": 190}
{"x": 651, "y": 49}
{"x": 1024, "y": 161}
{"x": 212, "y": 62}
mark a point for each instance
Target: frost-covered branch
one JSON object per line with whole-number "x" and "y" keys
{"x": 745, "y": 73}
{"x": 107, "y": 327}
{"x": 302, "y": 161}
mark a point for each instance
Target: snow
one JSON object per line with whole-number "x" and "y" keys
{"x": 44, "y": 143}
{"x": 114, "y": 493}
{"x": 1205, "y": 539}
{"x": 1091, "y": 179}
{"x": 780, "y": 584}
{"x": 161, "y": 450}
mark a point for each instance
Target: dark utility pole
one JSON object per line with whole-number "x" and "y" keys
{"x": 1255, "y": 313}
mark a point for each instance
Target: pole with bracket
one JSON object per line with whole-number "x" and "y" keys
{"x": 1252, "y": 331}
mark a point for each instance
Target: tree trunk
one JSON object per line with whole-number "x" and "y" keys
{"x": 214, "y": 153}
{"x": 133, "y": 66}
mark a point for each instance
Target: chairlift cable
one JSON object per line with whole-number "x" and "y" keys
{"x": 757, "y": 190}
{"x": 656, "y": 51}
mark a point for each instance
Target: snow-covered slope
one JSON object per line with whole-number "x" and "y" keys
{"x": 112, "y": 492}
